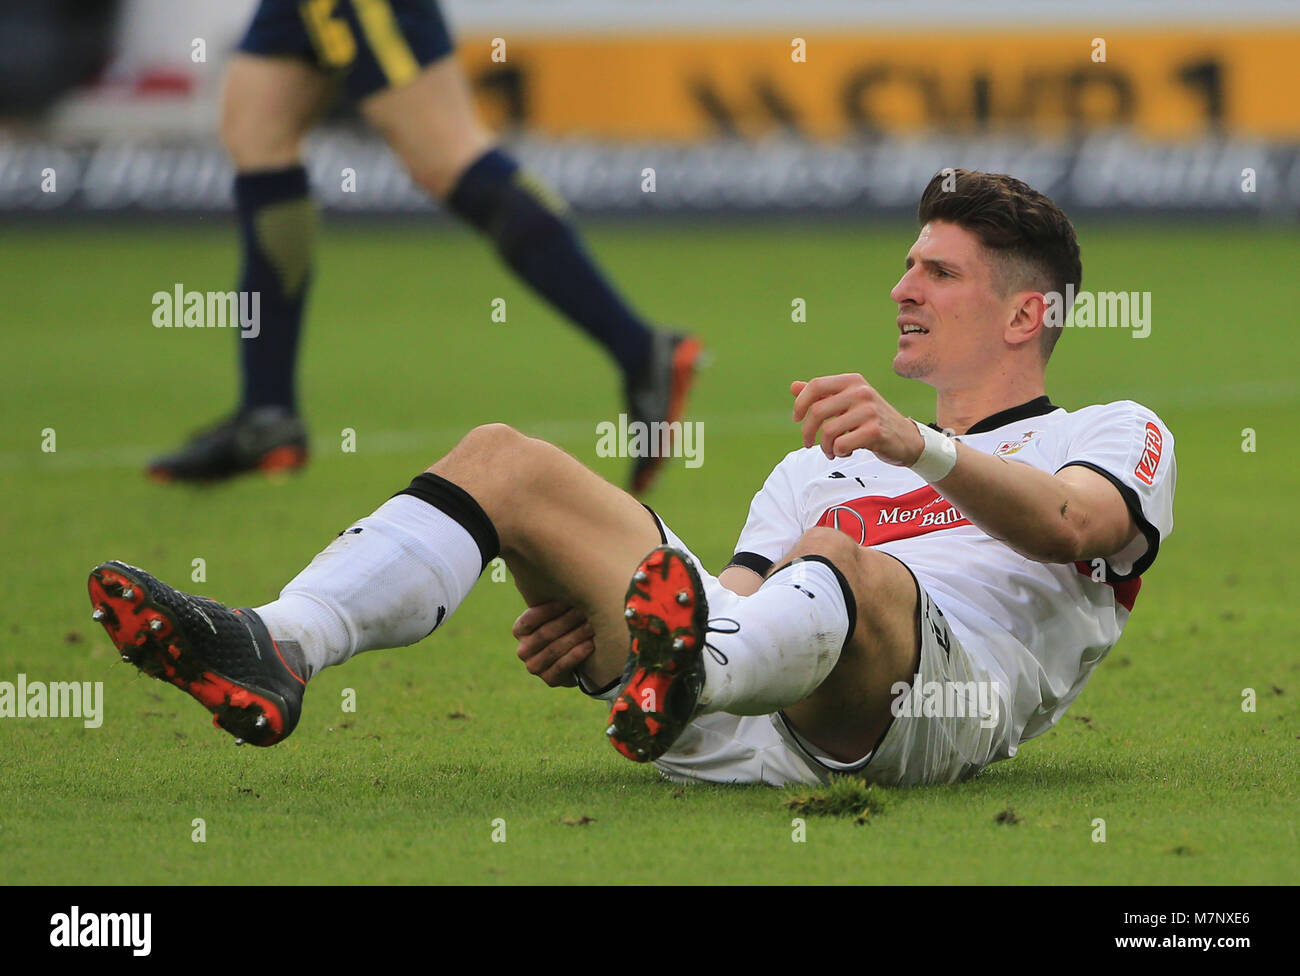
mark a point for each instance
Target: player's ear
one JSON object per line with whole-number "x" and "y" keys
{"x": 1025, "y": 322}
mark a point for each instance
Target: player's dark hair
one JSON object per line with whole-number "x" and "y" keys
{"x": 1030, "y": 239}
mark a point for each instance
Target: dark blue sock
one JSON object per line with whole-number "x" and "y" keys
{"x": 529, "y": 227}
{"x": 277, "y": 224}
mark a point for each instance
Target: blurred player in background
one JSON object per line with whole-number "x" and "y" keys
{"x": 395, "y": 57}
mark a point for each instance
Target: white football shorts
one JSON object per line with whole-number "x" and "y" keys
{"x": 948, "y": 725}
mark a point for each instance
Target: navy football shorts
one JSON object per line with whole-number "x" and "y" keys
{"x": 373, "y": 44}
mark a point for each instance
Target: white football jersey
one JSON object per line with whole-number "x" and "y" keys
{"x": 1040, "y": 629}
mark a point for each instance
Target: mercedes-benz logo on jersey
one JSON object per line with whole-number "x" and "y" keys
{"x": 834, "y": 513}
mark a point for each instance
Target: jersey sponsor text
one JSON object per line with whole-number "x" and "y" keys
{"x": 874, "y": 519}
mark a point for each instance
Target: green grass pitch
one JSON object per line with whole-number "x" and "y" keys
{"x": 452, "y": 738}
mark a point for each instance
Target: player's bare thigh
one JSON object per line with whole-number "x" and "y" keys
{"x": 849, "y": 712}
{"x": 268, "y": 105}
{"x": 566, "y": 533}
{"x": 432, "y": 124}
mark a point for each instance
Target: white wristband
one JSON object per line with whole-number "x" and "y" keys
{"x": 937, "y": 457}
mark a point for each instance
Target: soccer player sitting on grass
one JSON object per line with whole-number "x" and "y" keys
{"x": 903, "y": 604}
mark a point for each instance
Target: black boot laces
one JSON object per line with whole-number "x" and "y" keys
{"x": 712, "y": 628}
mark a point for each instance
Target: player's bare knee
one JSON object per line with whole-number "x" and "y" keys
{"x": 497, "y": 454}
{"x": 438, "y": 170}
{"x": 825, "y": 540}
{"x": 431, "y": 179}
{"x": 483, "y": 463}
{"x": 512, "y": 476}
{"x": 831, "y": 544}
{"x": 251, "y": 145}
{"x": 489, "y": 443}
{"x": 435, "y": 177}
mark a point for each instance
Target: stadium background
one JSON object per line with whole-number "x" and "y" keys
{"x": 775, "y": 179}
{"x": 593, "y": 91}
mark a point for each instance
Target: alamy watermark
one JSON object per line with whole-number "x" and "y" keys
{"x": 76, "y": 929}
{"x": 1099, "y": 310}
{"x": 947, "y": 699}
{"x": 53, "y": 699}
{"x": 656, "y": 439}
{"x": 179, "y": 308}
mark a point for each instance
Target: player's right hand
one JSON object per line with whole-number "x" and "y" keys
{"x": 554, "y": 639}
{"x": 851, "y": 415}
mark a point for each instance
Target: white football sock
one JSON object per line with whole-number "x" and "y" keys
{"x": 790, "y": 636}
{"x": 387, "y": 581}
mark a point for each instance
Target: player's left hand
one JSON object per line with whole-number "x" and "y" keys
{"x": 852, "y": 415}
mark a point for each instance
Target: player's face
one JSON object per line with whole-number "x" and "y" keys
{"x": 948, "y": 293}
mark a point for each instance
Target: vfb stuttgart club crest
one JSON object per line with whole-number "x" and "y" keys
{"x": 1010, "y": 447}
